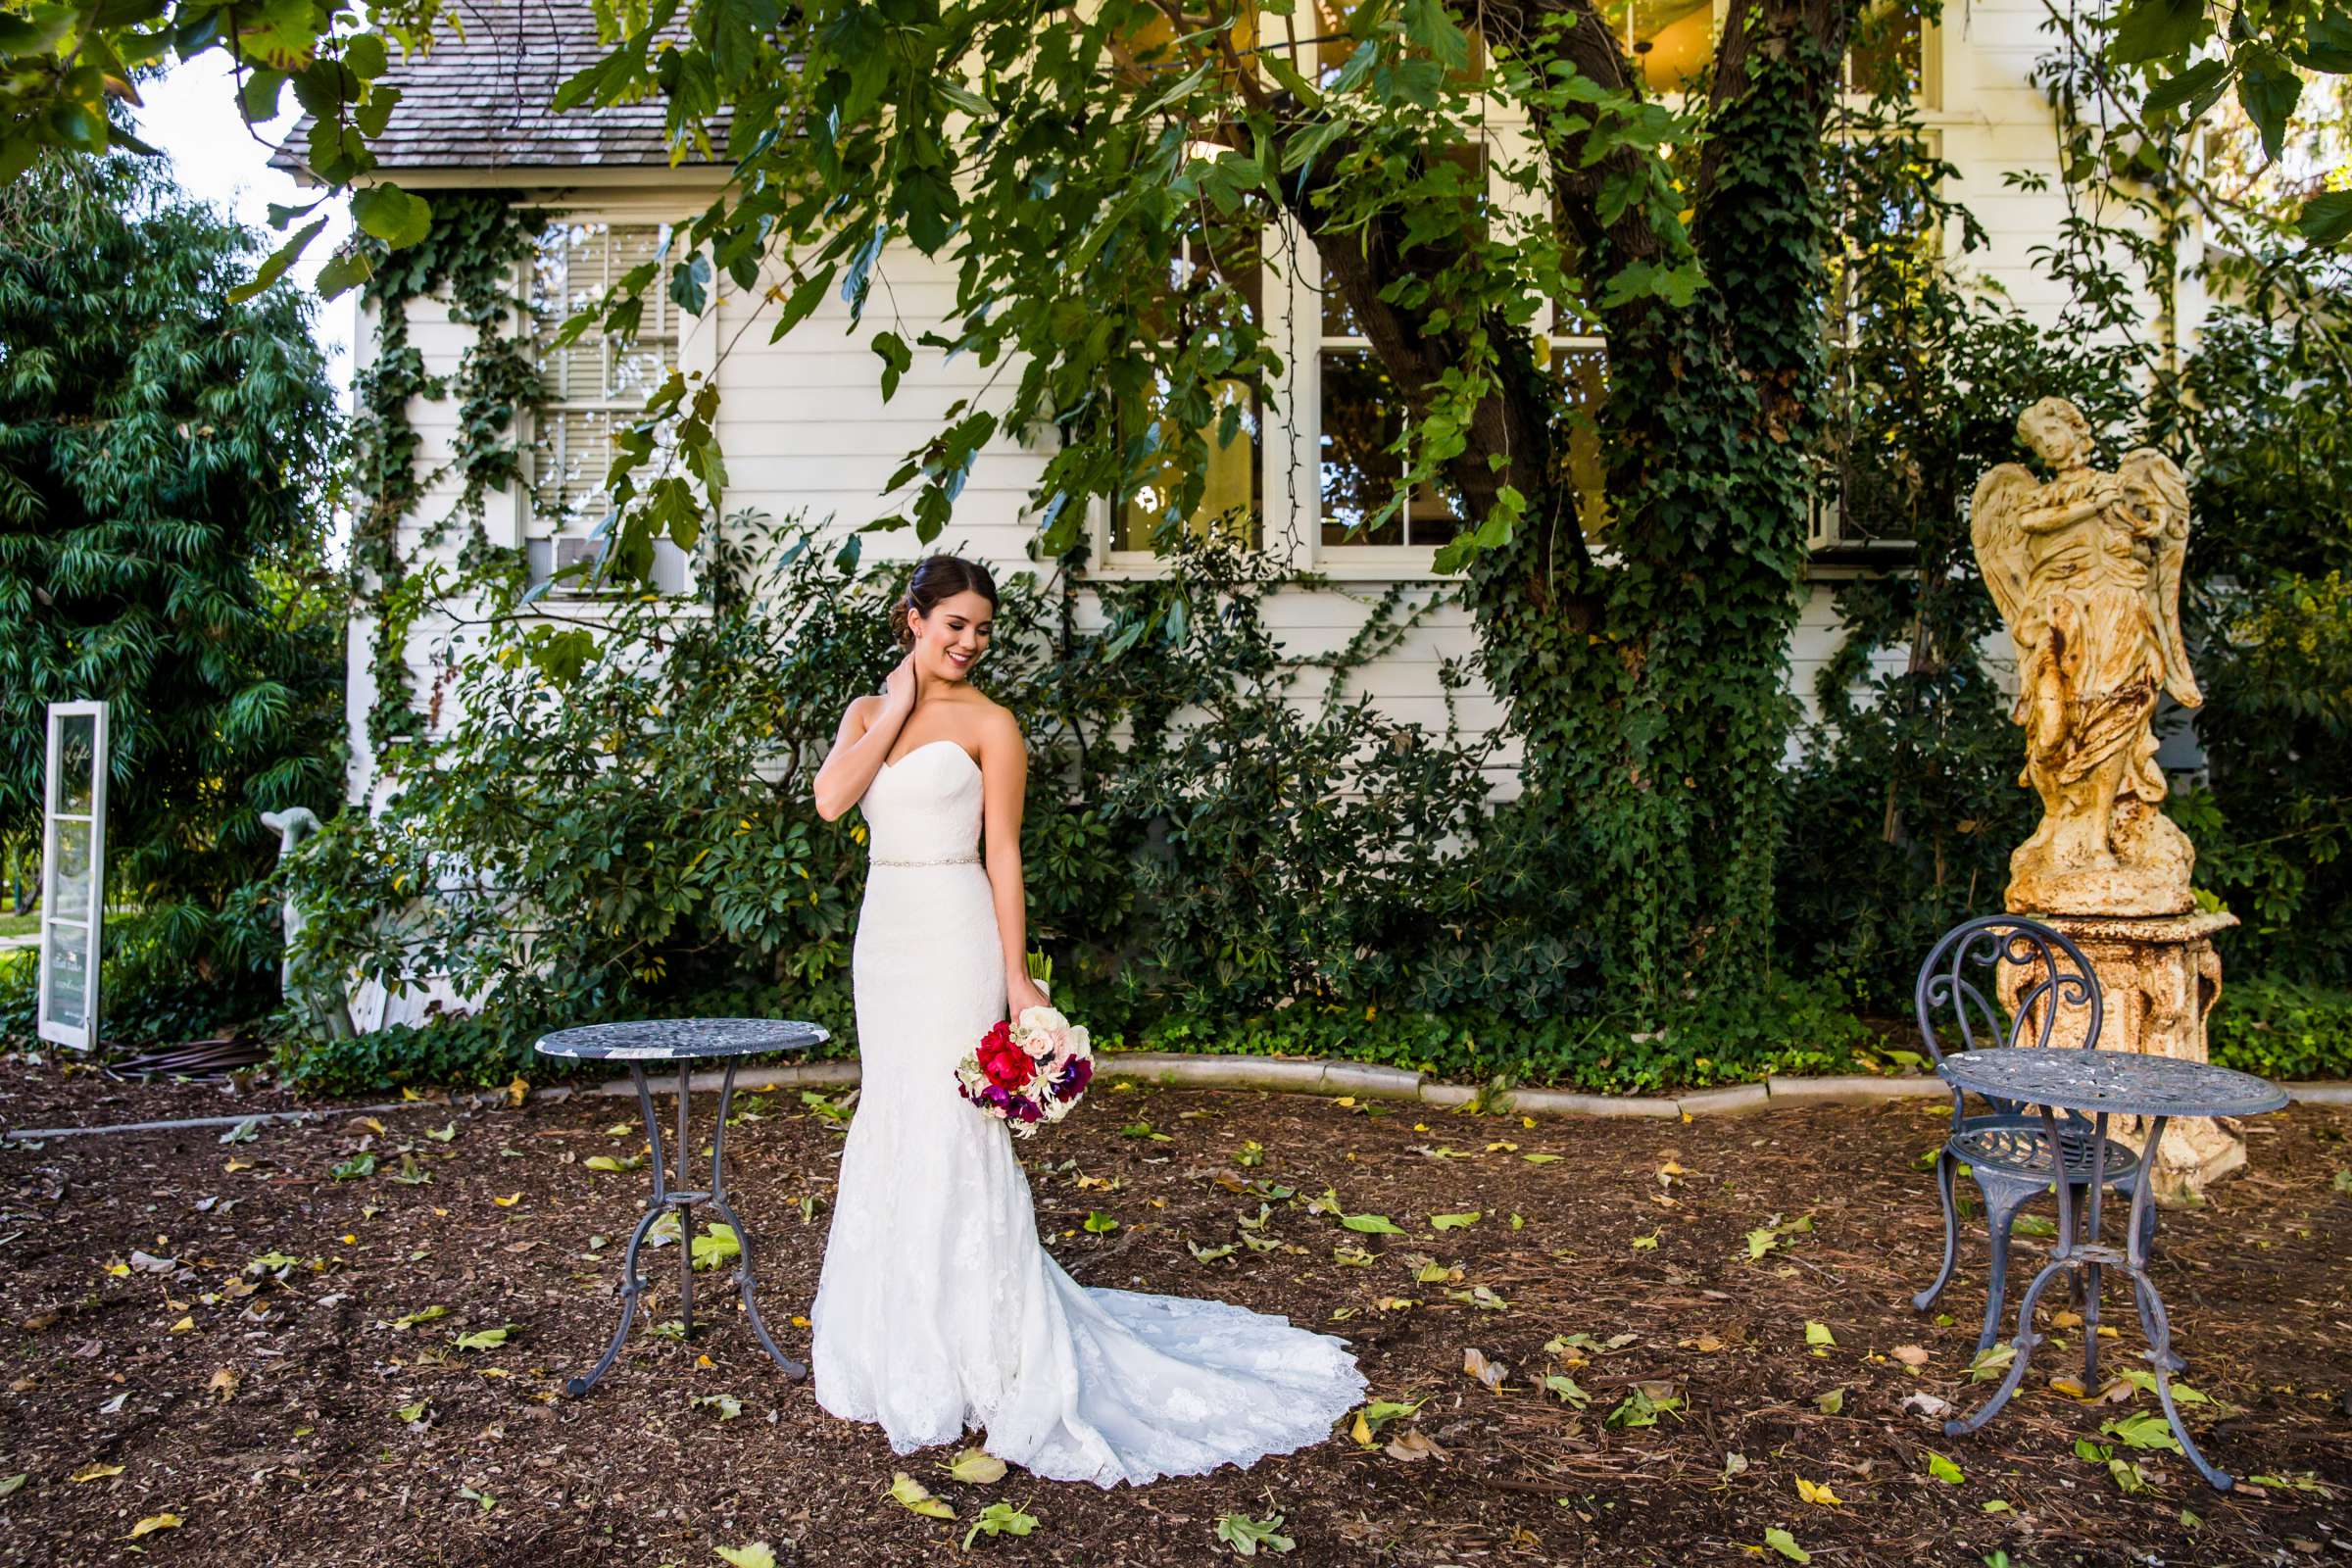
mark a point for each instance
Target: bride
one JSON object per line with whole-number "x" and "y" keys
{"x": 938, "y": 1308}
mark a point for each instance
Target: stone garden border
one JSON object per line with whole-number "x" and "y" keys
{"x": 1281, "y": 1074}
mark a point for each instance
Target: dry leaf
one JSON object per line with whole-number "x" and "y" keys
{"x": 1910, "y": 1354}
{"x": 1490, "y": 1373}
{"x": 153, "y": 1522}
{"x": 97, "y": 1472}
{"x": 1411, "y": 1445}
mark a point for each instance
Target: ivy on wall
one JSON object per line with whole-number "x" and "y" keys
{"x": 471, "y": 254}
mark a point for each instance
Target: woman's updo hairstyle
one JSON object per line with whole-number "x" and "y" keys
{"x": 936, "y": 578}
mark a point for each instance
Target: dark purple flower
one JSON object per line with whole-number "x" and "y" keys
{"x": 1025, "y": 1109}
{"x": 1074, "y": 1079}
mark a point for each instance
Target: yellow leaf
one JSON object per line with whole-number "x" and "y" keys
{"x": 236, "y": 1165}
{"x": 373, "y": 1125}
{"x": 978, "y": 1466}
{"x": 97, "y": 1472}
{"x": 1361, "y": 1432}
{"x": 798, "y": 1322}
{"x": 153, "y": 1522}
{"x": 1817, "y": 1494}
{"x": 755, "y": 1555}
{"x": 518, "y": 1091}
{"x": 118, "y": 1268}
{"x": 225, "y": 1383}
{"x": 183, "y": 1325}
{"x": 913, "y": 1494}
{"x": 508, "y": 1202}
{"x": 408, "y": 1092}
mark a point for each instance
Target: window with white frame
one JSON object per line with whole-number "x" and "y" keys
{"x": 593, "y": 387}
{"x": 1233, "y": 485}
{"x": 1361, "y": 414}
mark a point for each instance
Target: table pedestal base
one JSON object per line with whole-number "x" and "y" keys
{"x": 667, "y": 1200}
{"x": 2087, "y": 1262}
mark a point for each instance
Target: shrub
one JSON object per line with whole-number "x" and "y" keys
{"x": 2281, "y": 1030}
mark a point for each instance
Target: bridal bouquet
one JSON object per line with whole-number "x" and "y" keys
{"x": 1029, "y": 1070}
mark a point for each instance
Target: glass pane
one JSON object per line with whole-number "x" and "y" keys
{"x": 1885, "y": 50}
{"x": 1671, "y": 40}
{"x": 77, "y": 761}
{"x": 71, "y": 844}
{"x": 1229, "y": 492}
{"x": 571, "y": 456}
{"x": 66, "y": 973}
{"x": 1362, "y": 414}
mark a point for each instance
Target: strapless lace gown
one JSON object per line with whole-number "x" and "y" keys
{"x": 938, "y": 1308}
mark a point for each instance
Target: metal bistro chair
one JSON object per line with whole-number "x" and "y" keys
{"x": 2008, "y": 1151}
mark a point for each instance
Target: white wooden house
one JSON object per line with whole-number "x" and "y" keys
{"x": 805, "y": 428}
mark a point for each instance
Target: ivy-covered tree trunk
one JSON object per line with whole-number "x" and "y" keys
{"x": 1646, "y": 666}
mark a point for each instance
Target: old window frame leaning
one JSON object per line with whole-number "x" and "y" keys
{"x": 551, "y": 289}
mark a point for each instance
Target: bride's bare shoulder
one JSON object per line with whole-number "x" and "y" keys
{"x": 997, "y": 723}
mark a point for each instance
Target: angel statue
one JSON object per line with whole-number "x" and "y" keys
{"x": 2086, "y": 567}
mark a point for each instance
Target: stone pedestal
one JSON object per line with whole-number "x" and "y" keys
{"x": 2158, "y": 979}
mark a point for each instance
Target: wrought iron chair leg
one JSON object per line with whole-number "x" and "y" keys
{"x": 2002, "y": 1200}
{"x": 1947, "y": 1166}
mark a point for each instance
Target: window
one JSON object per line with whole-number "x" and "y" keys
{"x": 593, "y": 387}
{"x": 1673, "y": 41}
{"x": 1363, "y": 412}
{"x": 1225, "y": 253}
{"x": 1362, "y": 415}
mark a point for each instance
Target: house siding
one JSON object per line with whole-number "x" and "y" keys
{"x": 807, "y": 432}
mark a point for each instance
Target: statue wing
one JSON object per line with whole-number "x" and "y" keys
{"x": 2161, "y": 475}
{"x": 2001, "y": 540}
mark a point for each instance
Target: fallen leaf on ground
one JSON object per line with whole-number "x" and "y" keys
{"x": 916, "y": 1497}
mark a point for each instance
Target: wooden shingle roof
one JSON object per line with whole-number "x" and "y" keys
{"x": 482, "y": 101}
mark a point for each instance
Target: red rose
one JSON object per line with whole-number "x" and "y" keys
{"x": 1006, "y": 1065}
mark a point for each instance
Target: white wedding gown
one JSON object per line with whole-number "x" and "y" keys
{"x": 938, "y": 1308}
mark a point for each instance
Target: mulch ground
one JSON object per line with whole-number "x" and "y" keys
{"x": 279, "y": 1367}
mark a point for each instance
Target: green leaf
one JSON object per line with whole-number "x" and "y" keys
{"x": 1246, "y": 1534}
{"x": 999, "y": 1519}
{"x": 2197, "y": 87}
{"x": 391, "y": 214}
{"x": 1566, "y": 1388}
{"x": 2327, "y": 42}
{"x": 344, "y": 271}
{"x": 1819, "y": 1333}
{"x": 717, "y": 1245}
{"x": 2157, "y": 29}
{"x": 1943, "y": 1470}
{"x": 1453, "y": 1222}
{"x": 1099, "y": 1223}
{"x": 755, "y": 1555}
{"x": 279, "y": 260}
{"x": 896, "y": 361}
{"x": 2269, "y": 89}
{"x": 1372, "y": 1224}
{"x": 1782, "y": 1541}
{"x": 2326, "y": 218}
{"x": 485, "y": 1339}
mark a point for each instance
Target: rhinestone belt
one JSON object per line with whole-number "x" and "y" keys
{"x": 950, "y": 860}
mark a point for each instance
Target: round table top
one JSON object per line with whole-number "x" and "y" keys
{"x": 680, "y": 1039}
{"x": 2124, "y": 1083}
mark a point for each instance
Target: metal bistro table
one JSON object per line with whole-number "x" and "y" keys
{"x": 683, "y": 1040}
{"x": 2099, "y": 1084}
